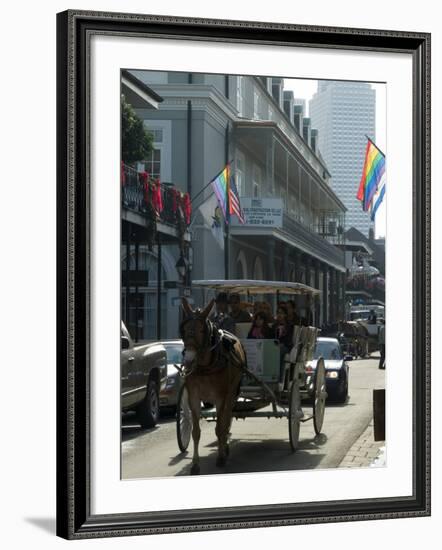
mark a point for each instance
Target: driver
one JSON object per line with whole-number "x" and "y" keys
{"x": 221, "y": 318}
{"x": 238, "y": 314}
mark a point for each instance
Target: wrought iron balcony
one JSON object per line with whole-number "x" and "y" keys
{"x": 311, "y": 242}
{"x": 133, "y": 198}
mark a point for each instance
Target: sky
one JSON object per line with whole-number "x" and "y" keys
{"x": 305, "y": 89}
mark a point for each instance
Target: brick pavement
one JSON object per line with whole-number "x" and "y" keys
{"x": 364, "y": 450}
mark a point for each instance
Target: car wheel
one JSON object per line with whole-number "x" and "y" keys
{"x": 149, "y": 410}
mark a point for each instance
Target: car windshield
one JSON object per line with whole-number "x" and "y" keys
{"x": 327, "y": 350}
{"x": 174, "y": 353}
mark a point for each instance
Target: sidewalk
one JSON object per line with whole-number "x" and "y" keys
{"x": 365, "y": 451}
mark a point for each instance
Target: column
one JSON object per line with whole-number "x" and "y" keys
{"x": 307, "y": 264}
{"x": 285, "y": 262}
{"x": 270, "y": 165}
{"x": 271, "y": 259}
{"x": 271, "y": 299}
{"x": 325, "y": 294}
{"x": 159, "y": 262}
{"x": 340, "y": 296}
{"x": 317, "y": 302}
{"x": 297, "y": 258}
{"x": 332, "y": 295}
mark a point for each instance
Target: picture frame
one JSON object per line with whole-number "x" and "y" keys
{"x": 75, "y": 518}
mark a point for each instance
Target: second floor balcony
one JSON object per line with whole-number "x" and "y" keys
{"x": 269, "y": 217}
{"x": 148, "y": 201}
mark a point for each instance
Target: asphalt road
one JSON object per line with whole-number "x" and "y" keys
{"x": 257, "y": 444}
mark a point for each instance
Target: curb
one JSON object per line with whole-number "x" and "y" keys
{"x": 365, "y": 451}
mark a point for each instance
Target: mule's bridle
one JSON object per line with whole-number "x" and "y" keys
{"x": 211, "y": 337}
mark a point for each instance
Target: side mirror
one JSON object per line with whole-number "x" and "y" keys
{"x": 348, "y": 358}
{"x": 125, "y": 344}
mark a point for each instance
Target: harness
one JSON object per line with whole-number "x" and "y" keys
{"x": 218, "y": 342}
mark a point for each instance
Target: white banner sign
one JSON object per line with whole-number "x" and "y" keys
{"x": 261, "y": 212}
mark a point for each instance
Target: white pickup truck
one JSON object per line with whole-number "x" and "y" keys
{"x": 143, "y": 376}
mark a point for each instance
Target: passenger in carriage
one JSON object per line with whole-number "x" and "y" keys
{"x": 307, "y": 319}
{"x": 265, "y": 308}
{"x": 260, "y": 328}
{"x": 284, "y": 334}
{"x": 292, "y": 315}
{"x": 283, "y": 329}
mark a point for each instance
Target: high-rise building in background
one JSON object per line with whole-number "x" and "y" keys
{"x": 344, "y": 114}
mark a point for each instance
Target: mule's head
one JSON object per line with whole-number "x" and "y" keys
{"x": 195, "y": 329}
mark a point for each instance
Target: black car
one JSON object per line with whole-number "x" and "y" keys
{"x": 336, "y": 367}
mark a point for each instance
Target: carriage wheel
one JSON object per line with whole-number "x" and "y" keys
{"x": 320, "y": 396}
{"x": 184, "y": 422}
{"x": 295, "y": 414}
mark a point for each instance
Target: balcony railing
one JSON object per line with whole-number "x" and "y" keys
{"x": 309, "y": 240}
{"x": 166, "y": 205}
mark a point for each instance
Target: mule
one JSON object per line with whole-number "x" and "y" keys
{"x": 213, "y": 365}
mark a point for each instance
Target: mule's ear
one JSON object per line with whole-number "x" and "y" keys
{"x": 186, "y": 306}
{"x": 208, "y": 308}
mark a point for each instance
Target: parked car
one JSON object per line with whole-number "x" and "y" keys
{"x": 143, "y": 375}
{"x": 336, "y": 368}
{"x": 169, "y": 394}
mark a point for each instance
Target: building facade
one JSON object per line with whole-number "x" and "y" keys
{"x": 205, "y": 121}
{"x": 344, "y": 114}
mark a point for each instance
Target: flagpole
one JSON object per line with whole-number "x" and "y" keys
{"x": 227, "y": 221}
{"x": 203, "y": 189}
{"x": 371, "y": 141}
{"x": 207, "y": 185}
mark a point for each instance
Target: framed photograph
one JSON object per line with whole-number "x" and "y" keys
{"x": 243, "y": 209}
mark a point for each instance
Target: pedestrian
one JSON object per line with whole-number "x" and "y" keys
{"x": 382, "y": 344}
{"x": 372, "y": 317}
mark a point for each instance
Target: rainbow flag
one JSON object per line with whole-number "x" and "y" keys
{"x": 377, "y": 199}
{"x": 372, "y": 174}
{"x": 221, "y": 186}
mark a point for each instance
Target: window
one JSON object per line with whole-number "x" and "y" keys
{"x": 241, "y": 266}
{"x": 256, "y": 181}
{"x": 255, "y": 105}
{"x": 240, "y": 174}
{"x": 152, "y": 165}
{"x": 258, "y": 270}
{"x": 240, "y": 94}
{"x": 158, "y": 164}
{"x": 276, "y": 93}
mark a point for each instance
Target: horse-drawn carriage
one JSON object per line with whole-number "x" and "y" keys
{"x": 243, "y": 377}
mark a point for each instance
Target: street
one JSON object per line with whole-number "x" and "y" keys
{"x": 257, "y": 444}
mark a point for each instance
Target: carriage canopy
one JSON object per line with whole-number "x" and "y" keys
{"x": 250, "y": 286}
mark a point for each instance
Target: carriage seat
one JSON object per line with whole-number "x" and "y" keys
{"x": 242, "y": 329}
{"x": 304, "y": 341}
